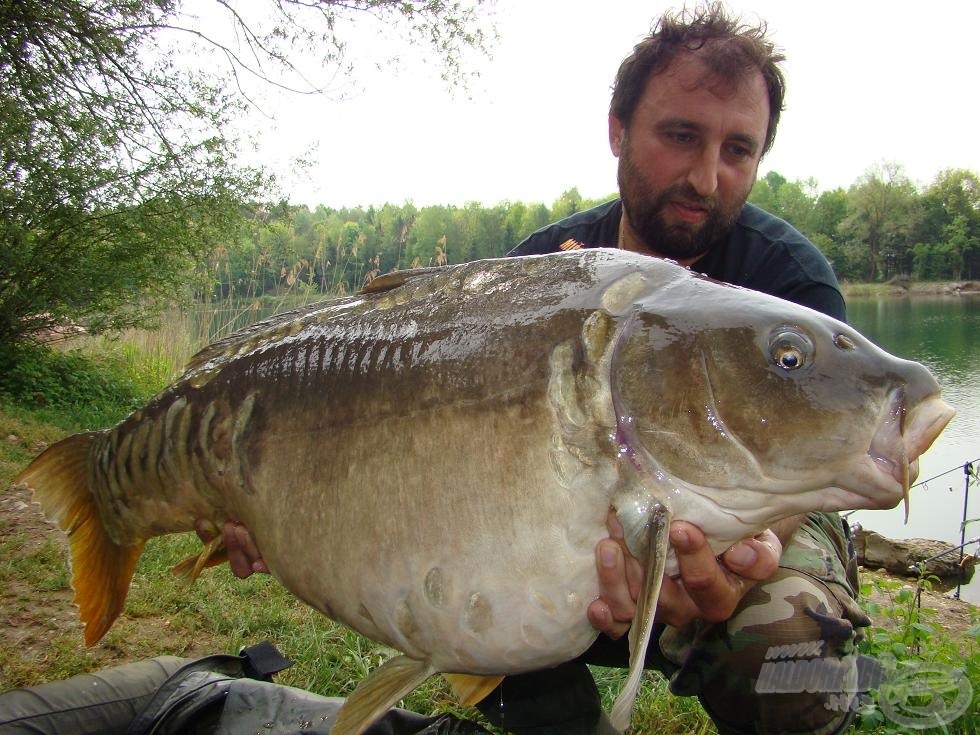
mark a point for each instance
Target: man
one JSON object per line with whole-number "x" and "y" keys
{"x": 694, "y": 109}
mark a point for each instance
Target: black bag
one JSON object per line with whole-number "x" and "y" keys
{"x": 234, "y": 695}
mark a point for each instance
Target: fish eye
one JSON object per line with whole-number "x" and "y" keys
{"x": 789, "y": 349}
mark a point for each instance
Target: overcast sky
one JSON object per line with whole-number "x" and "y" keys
{"x": 868, "y": 81}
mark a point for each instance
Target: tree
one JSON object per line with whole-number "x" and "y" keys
{"x": 829, "y": 210}
{"x": 949, "y": 234}
{"x": 882, "y": 213}
{"x": 432, "y": 232}
{"x": 119, "y": 168}
{"x": 567, "y": 204}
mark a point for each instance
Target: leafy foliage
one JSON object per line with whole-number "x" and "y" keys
{"x": 908, "y": 639}
{"x": 328, "y": 252}
{"x": 120, "y": 167}
{"x": 115, "y": 180}
{"x": 883, "y": 227}
{"x": 72, "y": 389}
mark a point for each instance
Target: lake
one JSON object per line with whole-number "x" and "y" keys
{"x": 943, "y": 333}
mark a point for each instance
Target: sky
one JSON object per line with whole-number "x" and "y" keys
{"x": 868, "y": 81}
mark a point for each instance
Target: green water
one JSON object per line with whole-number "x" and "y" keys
{"x": 944, "y": 334}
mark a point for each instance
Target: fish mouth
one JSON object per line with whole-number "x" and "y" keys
{"x": 903, "y": 435}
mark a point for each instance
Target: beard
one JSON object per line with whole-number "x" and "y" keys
{"x": 644, "y": 207}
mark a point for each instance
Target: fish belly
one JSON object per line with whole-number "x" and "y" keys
{"x": 445, "y": 533}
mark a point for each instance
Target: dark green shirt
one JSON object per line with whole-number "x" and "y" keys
{"x": 763, "y": 253}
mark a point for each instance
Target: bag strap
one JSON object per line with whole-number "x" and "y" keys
{"x": 263, "y": 660}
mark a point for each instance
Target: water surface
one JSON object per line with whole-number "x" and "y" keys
{"x": 944, "y": 334}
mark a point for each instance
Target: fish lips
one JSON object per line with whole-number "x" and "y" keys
{"x": 899, "y": 440}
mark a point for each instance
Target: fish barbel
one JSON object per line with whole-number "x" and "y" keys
{"x": 431, "y": 462}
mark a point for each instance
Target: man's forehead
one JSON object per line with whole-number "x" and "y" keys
{"x": 688, "y": 80}
{"x": 691, "y": 71}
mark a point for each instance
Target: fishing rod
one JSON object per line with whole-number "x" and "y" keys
{"x": 913, "y": 567}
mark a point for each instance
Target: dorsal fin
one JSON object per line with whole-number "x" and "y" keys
{"x": 395, "y": 279}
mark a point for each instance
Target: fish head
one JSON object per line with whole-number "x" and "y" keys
{"x": 744, "y": 407}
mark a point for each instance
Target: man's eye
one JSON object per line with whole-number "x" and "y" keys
{"x": 740, "y": 151}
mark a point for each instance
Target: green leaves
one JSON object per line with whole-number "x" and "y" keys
{"x": 883, "y": 226}
{"x": 908, "y": 641}
{"x": 121, "y": 169}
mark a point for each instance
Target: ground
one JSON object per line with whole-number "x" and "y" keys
{"x": 952, "y": 615}
{"x": 33, "y": 620}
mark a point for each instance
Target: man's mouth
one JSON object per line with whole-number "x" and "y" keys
{"x": 688, "y": 211}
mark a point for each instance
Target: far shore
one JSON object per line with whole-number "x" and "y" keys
{"x": 906, "y": 287}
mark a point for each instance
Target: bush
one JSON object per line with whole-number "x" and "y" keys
{"x": 70, "y": 389}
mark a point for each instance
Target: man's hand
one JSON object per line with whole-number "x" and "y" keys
{"x": 707, "y": 588}
{"x": 243, "y": 554}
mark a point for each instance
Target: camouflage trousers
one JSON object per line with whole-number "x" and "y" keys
{"x": 749, "y": 672}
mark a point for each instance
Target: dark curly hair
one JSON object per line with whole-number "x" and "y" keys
{"x": 731, "y": 50}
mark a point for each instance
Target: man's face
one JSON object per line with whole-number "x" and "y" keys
{"x": 689, "y": 158}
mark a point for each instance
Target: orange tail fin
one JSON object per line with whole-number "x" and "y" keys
{"x": 101, "y": 570}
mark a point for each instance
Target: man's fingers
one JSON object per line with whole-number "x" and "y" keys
{"x": 633, "y": 568}
{"x": 713, "y": 590}
{"x": 755, "y": 558}
{"x": 601, "y": 618}
{"x": 674, "y": 606}
{"x": 698, "y": 566}
{"x": 243, "y": 555}
{"x": 613, "y": 612}
{"x": 613, "y": 585}
{"x": 206, "y": 530}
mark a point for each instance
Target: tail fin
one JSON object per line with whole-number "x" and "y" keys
{"x": 101, "y": 570}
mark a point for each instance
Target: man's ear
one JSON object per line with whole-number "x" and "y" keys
{"x": 616, "y": 134}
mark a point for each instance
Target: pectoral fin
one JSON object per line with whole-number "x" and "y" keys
{"x": 379, "y": 692}
{"x": 471, "y": 689}
{"x": 213, "y": 553}
{"x": 658, "y": 530}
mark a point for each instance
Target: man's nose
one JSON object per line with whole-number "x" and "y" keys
{"x": 703, "y": 175}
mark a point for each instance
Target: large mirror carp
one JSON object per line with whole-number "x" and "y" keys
{"x": 431, "y": 462}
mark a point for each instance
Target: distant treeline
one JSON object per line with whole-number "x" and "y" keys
{"x": 880, "y": 228}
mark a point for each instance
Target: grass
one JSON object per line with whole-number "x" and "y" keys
{"x": 96, "y": 385}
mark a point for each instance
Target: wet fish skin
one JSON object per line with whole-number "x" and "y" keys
{"x": 432, "y": 462}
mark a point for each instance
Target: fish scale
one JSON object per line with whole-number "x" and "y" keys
{"x": 432, "y": 461}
